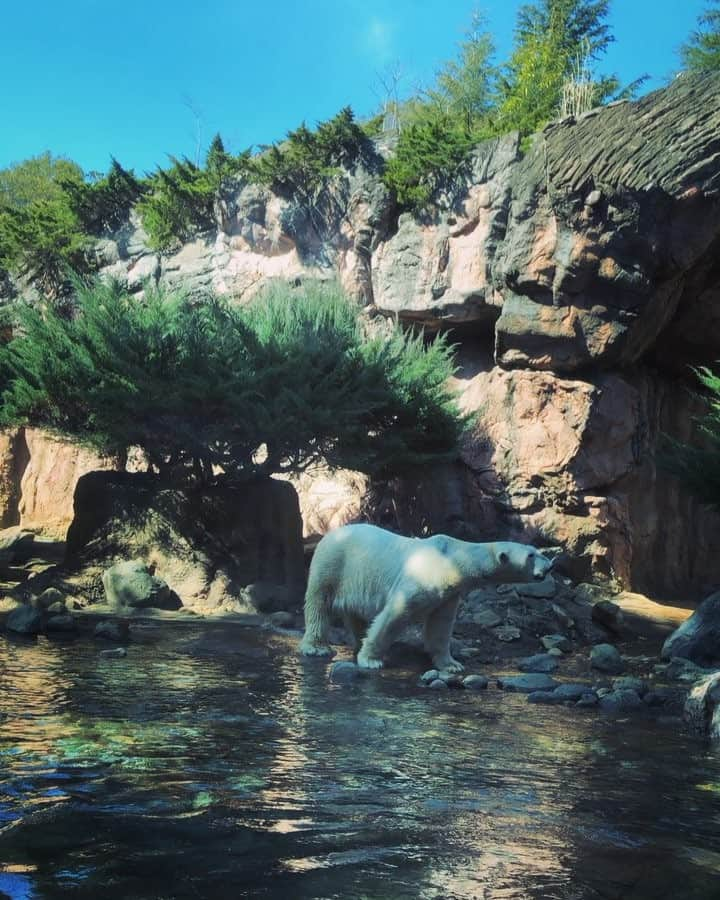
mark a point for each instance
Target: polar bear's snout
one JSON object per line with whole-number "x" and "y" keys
{"x": 542, "y": 567}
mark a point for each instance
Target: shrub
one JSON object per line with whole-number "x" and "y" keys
{"x": 702, "y": 51}
{"x": 104, "y": 205}
{"x": 274, "y": 387}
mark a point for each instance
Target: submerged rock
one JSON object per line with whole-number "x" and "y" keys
{"x": 344, "y": 672}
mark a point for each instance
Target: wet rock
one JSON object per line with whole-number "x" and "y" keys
{"x": 475, "y": 682}
{"x": 556, "y": 642}
{"x": 620, "y": 701}
{"x": 629, "y": 683}
{"x": 698, "y": 638}
{"x": 24, "y": 620}
{"x": 438, "y": 685}
{"x": 702, "y": 707}
{"x": 133, "y": 584}
{"x": 116, "y": 653}
{"x": 282, "y": 619}
{"x": 49, "y": 597}
{"x": 112, "y": 631}
{"x": 345, "y": 672}
{"x": 587, "y": 700}
{"x": 540, "y": 662}
{"x": 609, "y": 615}
{"x": 527, "y": 683}
{"x": 64, "y": 622}
{"x": 507, "y": 633}
{"x": 564, "y": 693}
{"x": 606, "y": 658}
{"x": 451, "y": 679}
{"x": 429, "y": 676}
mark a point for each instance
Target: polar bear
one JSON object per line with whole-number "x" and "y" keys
{"x": 376, "y": 578}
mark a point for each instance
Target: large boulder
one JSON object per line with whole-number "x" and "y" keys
{"x": 24, "y": 620}
{"x": 702, "y": 707}
{"x": 206, "y": 544}
{"x": 133, "y": 584}
{"x": 698, "y": 638}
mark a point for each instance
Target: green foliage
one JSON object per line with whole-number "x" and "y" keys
{"x": 274, "y": 387}
{"x": 39, "y": 178}
{"x": 180, "y": 200}
{"x": 552, "y": 39}
{"x": 427, "y": 154}
{"x": 298, "y": 166}
{"x": 698, "y": 466}
{"x": 104, "y": 205}
{"x": 702, "y": 50}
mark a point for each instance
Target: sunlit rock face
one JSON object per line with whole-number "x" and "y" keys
{"x": 580, "y": 280}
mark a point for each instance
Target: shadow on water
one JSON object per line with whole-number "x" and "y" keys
{"x": 216, "y": 762}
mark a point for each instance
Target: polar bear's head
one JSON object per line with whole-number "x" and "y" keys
{"x": 518, "y": 563}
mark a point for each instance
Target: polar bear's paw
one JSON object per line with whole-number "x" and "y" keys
{"x": 368, "y": 662}
{"x": 448, "y": 665}
{"x": 308, "y": 649}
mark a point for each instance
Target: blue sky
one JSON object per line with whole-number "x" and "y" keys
{"x": 141, "y": 79}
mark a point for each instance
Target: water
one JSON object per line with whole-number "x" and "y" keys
{"x": 214, "y": 762}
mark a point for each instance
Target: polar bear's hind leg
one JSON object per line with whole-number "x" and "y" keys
{"x": 318, "y": 600}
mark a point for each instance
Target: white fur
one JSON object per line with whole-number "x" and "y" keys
{"x": 375, "y": 578}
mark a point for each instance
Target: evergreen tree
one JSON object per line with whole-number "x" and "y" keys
{"x": 702, "y": 51}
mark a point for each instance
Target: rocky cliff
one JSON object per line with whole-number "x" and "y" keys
{"x": 580, "y": 281}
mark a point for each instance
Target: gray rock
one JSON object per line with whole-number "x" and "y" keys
{"x": 56, "y": 609}
{"x": 698, "y": 638}
{"x": 620, "y": 701}
{"x": 475, "y": 682}
{"x": 24, "y": 620}
{"x": 683, "y": 670}
{"x": 556, "y": 642}
{"x": 344, "y": 672}
{"x": 451, "y": 679}
{"x": 49, "y": 597}
{"x": 507, "y": 633}
{"x": 589, "y": 699}
{"x": 438, "y": 685}
{"x": 116, "y": 653}
{"x": 429, "y": 676}
{"x": 63, "y": 622}
{"x": 629, "y": 683}
{"x": 555, "y": 652}
{"x": 608, "y": 614}
{"x": 606, "y": 658}
{"x": 268, "y": 597}
{"x": 540, "y": 590}
{"x": 132, "y": 584}
{"x": 564, "y": 693}
{"x": 540, "y": 662}
{"x": 572, "y": 691}
{"x": 593, "y": 198}
{"x": 547, "y": 697}
{"x": 487, "y": 618}
{"x": 112, "y": 631}
{"x": 282, "y": 619}
{"x": 702, "y": 707}
{"x": 527, "y": 683}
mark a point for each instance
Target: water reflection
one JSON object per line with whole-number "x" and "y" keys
{"x": 218, "y": 762}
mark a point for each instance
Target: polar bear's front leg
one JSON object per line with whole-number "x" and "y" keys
{"x": 438, "y": 631}
{"x": 385, "y": 628}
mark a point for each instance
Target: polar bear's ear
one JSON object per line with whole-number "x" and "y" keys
{"x": 503, "y": 557}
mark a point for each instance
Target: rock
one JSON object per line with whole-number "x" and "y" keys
{"x": 547, "y": 697}
{"x": 541, "y": 590}
{"x": 267, "y": 596}
{"x": 566, "y": 620}
{"x": 507, "y": 633}
{"x": 620, "y": 701}
{"x": 606, "y": 658}
{"x": 429, "y": 676}
{"x": 344, "y": 672}
{"x": 49, "y": 597}
{"x": 112, "y": 631}
{"x": 629, "y": 683}
{"x": 64, "y": 622}
{"x": 451, "y": 679}
{"x": 555, "y": 652}
{"x": 56, "y": 609}
{"x": 475, "y": 682}
{"x": 609, "y": 615}
{"x": 587, "y": 700}
{"x": 16, "y": 545}
{"x": 24, "y": 620}
{"x": 657, "y": 697}
{"x": 698, "y": 638}
{"x": 540, "y": 662}
{"x": 282, "y": 619}
{"x": 702, "y": 707}
{"x": 487, "y": 618}
{"x": 133, "y": 584}
{"x": 527, "y": 683}
{"x": 680, "y": 669}
{"x": 116, "y": 653}
{"x": 570, "y": 691}
{"x": 556, "y": 642}
{"x": 438, "y": 685}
